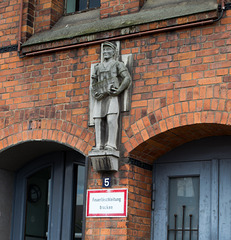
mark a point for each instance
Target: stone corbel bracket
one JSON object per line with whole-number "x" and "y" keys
{"x": 105, "y": 160}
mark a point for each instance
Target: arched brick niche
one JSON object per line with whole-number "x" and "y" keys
{"x": 146, "y": 153}
{"x": 13, "y": 158}
{"x": 158, "y": 145}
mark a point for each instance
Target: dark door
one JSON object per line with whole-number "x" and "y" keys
{"x": 49, "y": 198}
{"x": 192, "y": 200}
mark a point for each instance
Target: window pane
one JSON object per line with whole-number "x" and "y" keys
{"x": 71, "y": 6}
{"x": 183, "y": 208}
{"x": 79, "y": 191}
{"x": 94, "y": 3}
{"x": 37, "y": 205}
{"x": 82, "y": 5}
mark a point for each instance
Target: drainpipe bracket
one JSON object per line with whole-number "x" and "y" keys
{"x": 226, "y": 7}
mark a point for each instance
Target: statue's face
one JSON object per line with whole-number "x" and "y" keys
{"x": 108, "y": 52}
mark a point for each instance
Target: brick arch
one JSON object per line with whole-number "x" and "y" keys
{"x": 63, "y": 132}
{"x": 160, "y": 131}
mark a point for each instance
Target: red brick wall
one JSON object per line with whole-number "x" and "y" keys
{"x": 182, "y": 78}
{"x": 107, "y": 228}
{"x": 181, "y": 91}
{"x": 140, "y": 195}
{"x": 119, "y": 7}
{"x": 40, "y": 15}
{"x": 138, "y": 222}
{"x": 47, "y": 13}
{"x": 8, "y": 23}
{"x": 28, "y": 19}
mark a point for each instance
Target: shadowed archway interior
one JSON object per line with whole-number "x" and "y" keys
{"x": 163, "y": 143}
{"x": 13, "y": 158}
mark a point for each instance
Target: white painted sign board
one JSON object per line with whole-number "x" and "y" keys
{"x": 107, "y": 202}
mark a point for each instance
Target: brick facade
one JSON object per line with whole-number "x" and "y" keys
{"x": 181, "y": 92}
{"x": 119, "y": 7}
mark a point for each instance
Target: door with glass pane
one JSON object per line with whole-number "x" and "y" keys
{"x": 49, "y": 198}
{"x": 38, "y": 204}
{"x": 183, "y": 201}
{"x": 73, "y": 199}
{"x": 193, "y": 200}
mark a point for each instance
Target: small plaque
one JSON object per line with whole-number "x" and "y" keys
{"x": 107, "y": 203}
{"x": 106, "y": 182}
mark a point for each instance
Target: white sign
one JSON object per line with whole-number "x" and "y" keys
{"x": 107, "y": 203}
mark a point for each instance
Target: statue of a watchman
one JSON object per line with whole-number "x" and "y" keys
{"x": 109, "y": 79}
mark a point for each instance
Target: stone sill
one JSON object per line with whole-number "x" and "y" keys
{"x": 88, "y": 26}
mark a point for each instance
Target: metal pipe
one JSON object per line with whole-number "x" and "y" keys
{"x": 168, "y": 232}
{"x": 20, "y": 27}
{"x": 175, "y": 226}
{"x": 223, "y": 4}
{"x": 183, "y": 217}
{"x": 126, "y": 36}
{"x": 190, "y": 227}
{"x": 222, "y": 11}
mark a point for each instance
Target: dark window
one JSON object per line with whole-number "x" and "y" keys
{"x": 38, "y": 204}
{"x": 49, "y": 198}
{"x": 81, "y": 5}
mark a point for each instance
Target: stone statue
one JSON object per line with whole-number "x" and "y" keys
{"x": 110, "y": 79}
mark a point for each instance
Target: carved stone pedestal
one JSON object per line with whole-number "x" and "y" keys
{"x": 104, "y": 160}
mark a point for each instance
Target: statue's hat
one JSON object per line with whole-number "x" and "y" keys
{"x": 110, "y": 44}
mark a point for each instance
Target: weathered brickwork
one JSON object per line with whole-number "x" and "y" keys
{"x": 139, "y": 212}
{"x": 9, "y": 21}
{"x": 181, "y": 92}
{"x": 138, "y": 222}
{"x": 47, "y": 13}
{"x": 119, "y": 7}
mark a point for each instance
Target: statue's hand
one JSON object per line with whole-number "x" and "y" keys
{"x": 99, "y": 96}
{"x": 113, "y": 91}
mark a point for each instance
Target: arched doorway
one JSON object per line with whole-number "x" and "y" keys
{"x": 46, "y": 191}
{"x": 192, "y": 191}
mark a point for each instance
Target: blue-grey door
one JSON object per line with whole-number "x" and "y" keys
{"x": 192, "y": 200}
{"x": 49, "y": 198}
